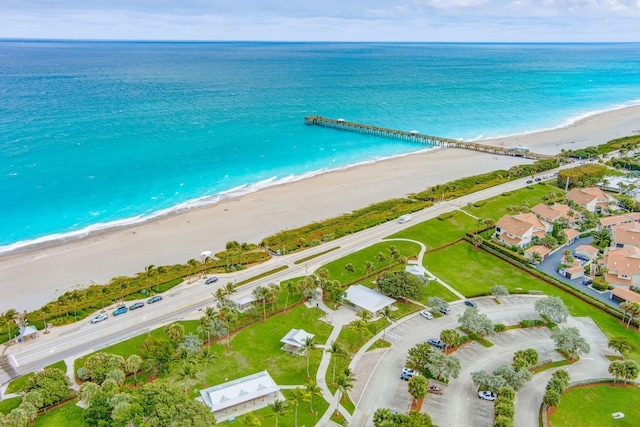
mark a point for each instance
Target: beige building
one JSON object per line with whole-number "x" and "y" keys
{"x": 612, "y": 221}
{"x": 625, "y": 235}
{"x": 554, "y": 213}
{"x": 518, "y": 230}
{"x": 592, "y": 199}
{"x": 623, "y": 266}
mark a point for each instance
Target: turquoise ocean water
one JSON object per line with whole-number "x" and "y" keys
{"x": 99, "y": 134}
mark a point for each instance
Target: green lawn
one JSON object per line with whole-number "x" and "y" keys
{"x": 435, "y": 289}
{"x": 495, "y": 207}
{"x": 68, "y": 415}
{"x": 60, "y": 365}
{"x": 8, "y": 404}
{"x": 481, "y": 271}
{"x": 593, "y": 406}
{"x": 473, "y": 272}
{"x": 16, "y": 385}
{"x": 435, "y": 232}
{"x": 358, "y": 259}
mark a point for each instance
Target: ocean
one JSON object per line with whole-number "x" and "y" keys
{"x": 95, "y": 135}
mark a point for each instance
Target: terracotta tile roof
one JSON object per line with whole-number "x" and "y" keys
{"x": 624, "y": 261}
{"x": 626, "y": 234}
{"x": 588, "y": 248}
{"x": 584, "y": 196}
{"x": 571, "y": 233}
{"x": 575, "y": 269}
{"x": 531, "y": 219}
{"x": 555, "y": 212}
{"x": 512, "y": 240}
{"x": 626, "y": 294}
{"x": 542, "y": 250}
{"x": 513, "y": 225}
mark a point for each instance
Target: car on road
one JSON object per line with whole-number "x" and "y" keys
{"x": 435, "y": 342}
{"x": 100, "y": 317}
{"x": 587, "y": 282}
{"x": 426, "y": 314}
{"x": 120, "y": 310}
{"x": 136, "y": 305}
{"x": 434, "y": 389}
{"x": 470, "y": 303}
{"x": 155, "y": 298}
{"x": 211, "y": 280}
{"x": 529, "y": 182}
{"x": 445, "y": 310}
{"x": 538, "y": 179}
{"x": 408, "y": 373}
{"x": 487, "y": 395}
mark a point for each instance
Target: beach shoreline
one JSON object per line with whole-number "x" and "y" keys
{"x": 36, "y": 275}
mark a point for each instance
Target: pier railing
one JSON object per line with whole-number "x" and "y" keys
{"x": 415, "y": 136}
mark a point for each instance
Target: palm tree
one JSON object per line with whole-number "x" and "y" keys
{"x": 250, "y": 420}
{"x": 160, "y": 270}
{"x": 133, "y": 365}
{"x": 149, "y": 271}
{"x": 358, "y": 326}
{"x": 262, "y": 295}
{"x": 336, "y": 352}
{"x": 228, "y": 316}
{"x": 191, "y": 264}
{"x": 312, "y": 389}
{"x": 187, "y": 372}
{"x": 477, "y": 240}
{"x": 297, "y": 396}
{"x": 365, "y": 315}
{"x": 230, "y": 288}
{"x": 390, "y": 316}
{"x": 279, "y": 409}
{"x": 344, "y": 385}
{"x": 290, "y": 287}
{"x": 175, "y": 331}
{"x": 368, "y": 268}
{"x": 219, "y": 296}
{"x": 87, "y": 391}
{"x": 274, "y": 294}
{"x": 308, "y": 346}
{"x": 380, "y": 258}
{"x": 348, "y": 268}
{"x": 633, "y": 308}
{"x": 207, "y": 356}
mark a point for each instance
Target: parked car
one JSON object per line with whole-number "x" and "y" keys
{"x": 155, "y": 298}
{"x": 434, "y": 389}
{"x": 538, "y": 180}
{"x": 436, "y": 343}
{"x": 471, "y": 303}
{"x": 120, "y": 310}
{"x": 587, "y": 282}
{"x": 100, "y": 317}
{"x": 445, "y": 310}
{"x": 529, "y": 182}
{"x": 487, "y": 395}
{"x": 211, "y": 280}
{"x": 136, "y": 305}
{"x": 408, "y": 373}
{"x": 426, "y": 314}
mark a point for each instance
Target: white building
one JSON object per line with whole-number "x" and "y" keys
{"x": 362, "y": 298}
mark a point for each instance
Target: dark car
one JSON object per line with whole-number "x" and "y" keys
{"x": 529, "y": 182}
{"x": 436, "y": 343}
{"x": 120, "y": 310}
{"x": 136, "y": 305}
{"x": 211, "y": 280}
{"x": 154, "y": 299}
{"x": 587, "y": 282}
{"x": 471, "y": 303}
{"x": 538, "y": 180}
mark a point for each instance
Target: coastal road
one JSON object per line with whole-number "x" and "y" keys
{"x": 185, "y": 300}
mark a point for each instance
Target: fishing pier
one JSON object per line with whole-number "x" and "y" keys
{"x": 415, "y": 136}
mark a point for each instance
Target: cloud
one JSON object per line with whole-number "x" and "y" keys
{"x": 358, "y": 20}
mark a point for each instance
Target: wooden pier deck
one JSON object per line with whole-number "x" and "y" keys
{"x": 414, "y": 136}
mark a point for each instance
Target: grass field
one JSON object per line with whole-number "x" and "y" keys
{"x": 16, "y": 385}
{"x": 358, "y": 259}
{"x": 495, "y": 207}
{"x": 8, "y": 404}
{"x": 435, "y": 232}
{"x": 473, "y": 272}
{"x": 593, "y": 406}
{"x": 435, "y": 289}
{"x": 67, "y": 415}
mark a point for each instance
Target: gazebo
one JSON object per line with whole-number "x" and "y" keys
{"x": 417, "y": 270}
{"x": 245, "y": 302}
{"x": 28, "y": 332}
{"x": 294, "y": 341}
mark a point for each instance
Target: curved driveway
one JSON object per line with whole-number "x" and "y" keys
{"x": 459, "y": 406}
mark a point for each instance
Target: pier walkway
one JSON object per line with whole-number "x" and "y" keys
{"x": 415, "y": 136}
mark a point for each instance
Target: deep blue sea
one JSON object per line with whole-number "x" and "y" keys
{"x": 94, "y": 134}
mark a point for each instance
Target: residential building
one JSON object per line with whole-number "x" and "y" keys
{"x": 571, "y": 235}
{"x": 586, "y": 252}
{"x": 612, "y": 221}
{"x": 543, "y": 251}
{"x": 555, "y": 213}
{"x": 518, "y": 230}
{"x": 623, "y": 266}
{"x": 625, "y": 235}
{"x": 592, "y": 199}
{"x": 624, "y": 294}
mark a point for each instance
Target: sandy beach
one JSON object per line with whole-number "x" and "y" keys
{"x": 33, "y": 278}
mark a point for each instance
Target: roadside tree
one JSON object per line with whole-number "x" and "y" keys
{"x": 499, "y": 290}
{"x": 617, "y": 369}
{"x": 418, "y": 387}
{"x": 621, "y": 345}
{"x": 570, "y": 341}
{"x": 52, "y": 384}
{"x": 524, "y": 359}
{"x": 437, "y": 303}
{"x": 450, "y": 338}
{"x": 552, "y": 308}
{"x": 473, "y": 321}
{"x": 631, "y": 370}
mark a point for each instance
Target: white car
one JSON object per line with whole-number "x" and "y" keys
{"x": 426, "y": 314}
{"x": 100, "y": 317}
{"x": 487, "y": 395}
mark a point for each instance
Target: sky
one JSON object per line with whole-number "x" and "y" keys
{"x": 324, "y": 20}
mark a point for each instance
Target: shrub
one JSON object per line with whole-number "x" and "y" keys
{"x": 503, "y": 421}
{"x": 504, "y": 410}
{"x": 499, "y": 327}
{"x": 445, "y": 216}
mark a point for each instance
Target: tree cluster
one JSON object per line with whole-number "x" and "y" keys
{"x": 552, "y": 309}
{"x": 570, "y": 341}
{"x": 556, "y": 385}
{"x": 425, "y": 358}
{"x": 475, "y": 322}
{"x": 385, "y": 418}
{"x": 625, "y": 369}
{"x": 400, "y": 284}
{"x": 504, "y": 408}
